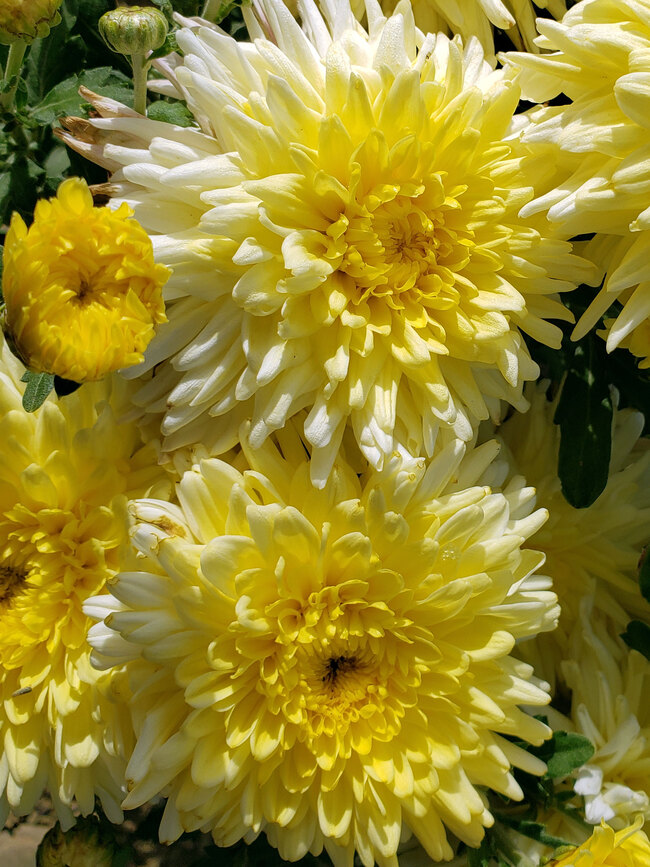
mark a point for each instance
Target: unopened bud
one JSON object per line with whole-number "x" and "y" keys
{"x": 87, "y": 844}
{"x": 133, "y": 29}
{"x": 26, "y": 20}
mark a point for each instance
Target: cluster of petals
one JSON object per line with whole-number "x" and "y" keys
{"x": 63, "y": 533}
{"x": 477, "y": 18}
{"x": 601, "y": 140}
{"x": 344, "y": 233}
{"x": 80, "y": 304}
{"x": 609, "y": 687}
{"x": 601, "y": 543}
{"x": 330, "y": 666}
{"x": 628, "y": 847}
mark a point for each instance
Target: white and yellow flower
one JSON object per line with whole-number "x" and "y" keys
{"x": 330, "y": 666}
{"x": 477, "y": 18}
{"x": 609, "y": 704}
{"x": 66, "y": 472}
{"x": 601, "y": 141}
{"x": 344, "y": 234}
{"x": 601, "y": 543}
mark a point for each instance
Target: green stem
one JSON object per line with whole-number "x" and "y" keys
{"x": 211, "y": 9}
{"x": 140, "y": 66}
{"x": 14, "y": 65}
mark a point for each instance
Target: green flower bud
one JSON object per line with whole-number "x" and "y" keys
{"x": 26, "y": 20}
{"x": 133, "y": 29}
{"x": 87, "y": 844}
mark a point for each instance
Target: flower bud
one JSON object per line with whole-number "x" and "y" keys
{"x": 26, "y": 20}
{"x": 87, "y": 844}
{"x": 133, "y": 29}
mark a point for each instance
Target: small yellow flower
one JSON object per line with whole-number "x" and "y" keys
{"x": 82, "y": 292}
{"x": 606, "y": 848}
{"x": 25, "y": 20}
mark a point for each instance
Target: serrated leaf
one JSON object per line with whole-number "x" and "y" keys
{"x": 644, "y": 575}
{"x": 39, "y": 385}
{"x": 584, "y": 414}
{"x": 65, "y": 99}
{"x": 637, "y": 637}
{"x": 171, "y": 112}
{"x": 568, "y": 751}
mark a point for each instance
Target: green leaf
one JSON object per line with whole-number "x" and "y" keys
{"x": 637, "y": 636}
{"x": 18, "y": 188}
{"x": 534, "y": 830}
{"x": 481, "y": 857}
{"x": 169, "y": 45}
{"x": 171, "y": 112}
{"x": 39, "y": 385}
{"x": 51, "y": 59}
{"x": 566, "y": 752}
{"x": 64, "y": 99}
{"x": 644, "y": 574}
{"x": 584, "y": 414}
{"x": 166, "y": 8}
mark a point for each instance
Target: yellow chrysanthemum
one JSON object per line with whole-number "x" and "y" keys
{"x": 65, "y": 474}
{"x": 609, "y": 686}
{"x": 601, "y": 140}
{"x": 26, "y": 20}
{"x": 606, "y": 848}
{"x": 601, "y": 543}
{"x": 344, "y": 234}
{"x": 476, "y": 18}
{"x": 329, "y": 665}
{"x": 81, "y": 289}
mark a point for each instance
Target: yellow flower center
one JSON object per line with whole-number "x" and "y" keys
{"x": 331, "y": 669}
{"x": 404, "y": 244}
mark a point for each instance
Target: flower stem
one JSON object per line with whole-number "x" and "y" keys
{"x": 140, "y": 66}
{"x": 14, "y": 65}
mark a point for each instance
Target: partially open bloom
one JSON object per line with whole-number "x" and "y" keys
{"x": 601, "y": 138}
{"x": 26, "y": 20}
{"x": 609, "y": 686}
{"x": 628, "y": 847}
{"x": 81, "y": 289}
{"x": 330, "y": 665}
{"x": 344, "y": 234}
{"x": 601, "y": 543}
{"x": 66, "y": 471}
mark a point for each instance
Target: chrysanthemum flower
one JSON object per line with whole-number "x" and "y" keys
{"x": 66, "y": 471}
{"x": 610, "y": 685}
{"x": 601, "y": 543}
{"x": 478, "y": 17}
{"x": 344, "y": 233}
{"x": 329, "y": 665}
{"x": 628, "y": 847}
{"x": 81, "y": 289}
{"x": 601, "y": 139}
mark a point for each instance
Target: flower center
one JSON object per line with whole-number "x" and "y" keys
{"x": 337, "y": 666}
{"x": 404, "y": 249}
{"x": 11, "y": 579}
